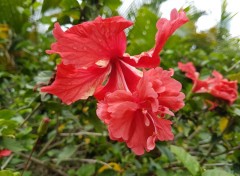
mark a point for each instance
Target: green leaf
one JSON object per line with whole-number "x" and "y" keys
{"x": 234, "y": 77}
{"x": 142, "y": 36}
{"x": 9, "y": 173}
{"x": 216, "y": 172}
{"x": 50, "y": 5}
{"x": 112, "y": 4}
{"x": 236, "y": 111}
{"x": 7, "y": 127}
{"x": 86, "y": 170}
{"x": 12, "y": 144}
{"x": 12, "y": 13}
{"x": 67, "y": 152}
{"x": 6, "y": 114}
{"x": 43, "y": 77}
{"x": 186, "y": 159}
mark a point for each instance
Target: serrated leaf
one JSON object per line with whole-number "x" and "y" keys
{"x": 186, "y": 159}
{"x": 216, "y": 172}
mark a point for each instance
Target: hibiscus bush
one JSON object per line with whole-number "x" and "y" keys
{"x": 85, "y": 91}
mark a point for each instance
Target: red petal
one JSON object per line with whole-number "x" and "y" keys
{"x": 168, "y": 89}
{"x": 5, "y": 152}
{"x": 85, "y": 44}
{"x": 167, "y": 27}
{"x": 72, "y": 84}
{"x": 139, "y": 134}
{"x": 111, "y": 104}
{"x": 122, "y": 77}
{"x": 172, "y": 100}
{"x": 143, "y": 60}
{"x": 189, "y": 69}
{"x": 164, "y": 129}
{"x": 151, "y": 142}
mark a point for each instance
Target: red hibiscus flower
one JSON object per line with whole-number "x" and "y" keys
{"x": 137, "y": 117}
{"x": 94, "y": 59}
{"x": 5, "y": 152}
{"x": 216, "y": 85}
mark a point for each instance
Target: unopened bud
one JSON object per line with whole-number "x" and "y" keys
{"x": 43, "y": 127}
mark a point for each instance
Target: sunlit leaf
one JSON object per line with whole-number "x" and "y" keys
{"x": 216, "y": 172}
{"x": 186, "y": 159}
{"x": 6, "y": 114}
{"x": 223, "y": 123}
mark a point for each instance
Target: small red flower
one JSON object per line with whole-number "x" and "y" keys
{"x": 5, "y": 152}
{"x": 137, "y": 117}
{"x": 216, "y": 85}
{"x": 94, "y": 59}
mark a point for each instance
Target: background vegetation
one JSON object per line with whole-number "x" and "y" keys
{"x": 206, "y": 143}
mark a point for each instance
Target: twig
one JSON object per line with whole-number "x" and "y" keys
{"x": 93, "y": 161}
{"x": 49, "y": 166}
{"x": 83, "y": 133}
{"x": 31, "y": 114}
{"x": 195, "y": 132}
{"x": 233, "y": 66}
{"x": 46, "y": 146}
{"x": 26, "y": 165}
{"x": 214, "y": 143}
{"x": 226, "y": 151}
{"x": 27, "y": 106}
{"x": 7, "y": 161}
{"x": 56, "y": 144}
{"x": 217, "y": 164}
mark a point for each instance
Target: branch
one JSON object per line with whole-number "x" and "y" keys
{"x": 31, "y": 114}
{"x": 7, "y": 161}
{"x": 217, "y": 164}
{"x": 226, "y": 151}
{"x": 49, "y": 166}
{"x": 83, "y": 133}
{"x": 93, "y": 161}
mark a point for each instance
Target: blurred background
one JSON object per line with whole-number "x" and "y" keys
{"x": 207, "y": 142}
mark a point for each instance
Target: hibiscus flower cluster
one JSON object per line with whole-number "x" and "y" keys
{"x": 215, "y": 85}
{"x": 135, "y": 96}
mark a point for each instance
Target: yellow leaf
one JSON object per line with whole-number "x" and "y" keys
{"x": 61, "y": 128}
{"x": 85, "y": 109}
{"x": 4, "y": 31}
{"x": 180, "y": 129}
{"x": 223, "y": 123}
{"x": 113, "y": 165}
{"x": 87, "y": 140}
